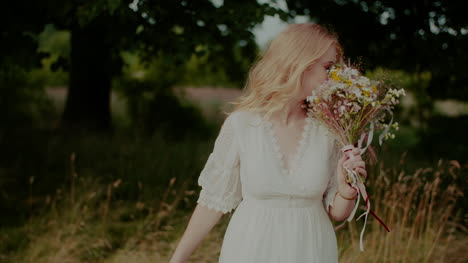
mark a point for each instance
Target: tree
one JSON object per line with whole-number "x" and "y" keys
{"x": 424, "y": 38}
{"x": 414, "y": 36}
{"x": 101, "y": 29}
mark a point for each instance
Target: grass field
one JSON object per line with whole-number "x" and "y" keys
{"x": 128, "y": 199}
{"x": 92, "y": 221}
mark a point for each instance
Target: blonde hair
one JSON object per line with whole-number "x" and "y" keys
{"x": 275, "y": 77}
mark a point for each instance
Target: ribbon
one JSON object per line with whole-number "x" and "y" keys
{"x": 358, "y": 184}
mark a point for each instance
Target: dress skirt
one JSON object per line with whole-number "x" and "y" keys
{"x": 286, "y": 230}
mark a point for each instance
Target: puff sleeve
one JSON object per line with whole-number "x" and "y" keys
{"x": 220, "y": 178}
{"x": 332, "y": 187}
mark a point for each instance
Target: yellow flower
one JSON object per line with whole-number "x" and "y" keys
{"x": 374, "y": 88}
{"x": 335, "y": 76}
{"x": 348, "y": 82}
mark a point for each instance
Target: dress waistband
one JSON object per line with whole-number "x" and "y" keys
{"x": 286, "y": 201}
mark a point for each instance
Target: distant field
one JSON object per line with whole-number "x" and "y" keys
{"x": 211, "y": 100}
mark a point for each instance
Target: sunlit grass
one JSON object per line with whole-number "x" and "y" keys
{"x": 421, "y": 211}
{"x": 128, "y": 199}
{"x": 87, "y": 223}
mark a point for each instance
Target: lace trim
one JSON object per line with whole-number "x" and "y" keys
{"x": 219, "y": 186}
{"x": 299, "y": 148}
{"x": 224, "y": 206}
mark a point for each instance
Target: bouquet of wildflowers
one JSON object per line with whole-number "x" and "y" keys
{"x": 353, "y": 107}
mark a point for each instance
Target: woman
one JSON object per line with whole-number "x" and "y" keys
{"x": 278, "y": 167}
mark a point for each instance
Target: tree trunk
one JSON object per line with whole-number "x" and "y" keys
{"x": 88, "y": 99}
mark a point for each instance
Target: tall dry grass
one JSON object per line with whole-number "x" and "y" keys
{"x": 420, "y": 210}
{"x": 85, "y": 223}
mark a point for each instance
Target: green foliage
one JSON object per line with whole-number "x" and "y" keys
{"x": 23, "y": 102}
{"x": 132, "y": 156}
{"x": 417, "y": 106}
{"x": 91, "y": 10}
{"x": 414, "y": 36}
{"x": 56, "y": 43}
{"x": 22, "y": 91}
{"x": 101, "y": 30}
{"x": 199, "y": 71}
{"x": 423, "y": 130}
{"x": 150, "y": 102}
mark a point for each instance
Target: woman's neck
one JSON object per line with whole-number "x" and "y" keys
{"x": 291, "y": 114}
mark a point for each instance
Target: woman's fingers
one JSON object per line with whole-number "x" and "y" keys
{"x": 354, "y": 163}
{"x": 354, "y": 154}
{"x": 363, "y": 172}
{"x": 356, "y": 151}
{"x": 355, "y": 158}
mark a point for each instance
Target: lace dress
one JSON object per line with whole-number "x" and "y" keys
{"x": 280, "y": 214}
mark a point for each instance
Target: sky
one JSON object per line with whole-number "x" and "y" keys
{"x": 270, "y": 27}
{"x": 273, "y": 25}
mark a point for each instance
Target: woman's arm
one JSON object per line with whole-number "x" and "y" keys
{"x": 342, "y": 207}
{"x": 201, "y": 222}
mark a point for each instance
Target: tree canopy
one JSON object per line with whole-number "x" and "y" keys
{"x": 414, "y": 36}
{"x": 102, "y": 29}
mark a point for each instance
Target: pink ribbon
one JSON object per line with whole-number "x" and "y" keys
{"x": 357, "y": 184}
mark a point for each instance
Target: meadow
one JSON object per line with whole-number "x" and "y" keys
{"x": 127, "y": 198}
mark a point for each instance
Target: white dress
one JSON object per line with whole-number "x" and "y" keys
{"x": 280, "y": 213}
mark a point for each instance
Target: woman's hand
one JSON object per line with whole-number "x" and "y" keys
{"x": 355, "y": 164}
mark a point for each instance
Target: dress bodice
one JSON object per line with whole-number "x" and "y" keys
{"x": 246, "y": 163}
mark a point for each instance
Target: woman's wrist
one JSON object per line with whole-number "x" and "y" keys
{"x": 347, "y": 192}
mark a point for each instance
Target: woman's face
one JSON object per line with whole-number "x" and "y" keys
{"x": 317, "y": 73}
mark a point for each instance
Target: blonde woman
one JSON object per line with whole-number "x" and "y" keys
{"x": 277, "y": 167}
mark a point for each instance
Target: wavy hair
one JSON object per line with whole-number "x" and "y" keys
{"x": 276, "y": 76}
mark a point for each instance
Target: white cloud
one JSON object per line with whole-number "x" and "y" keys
{"x": 273, "y": 25}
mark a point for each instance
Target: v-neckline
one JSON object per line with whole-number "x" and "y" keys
{"x": 297, "y": 153}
